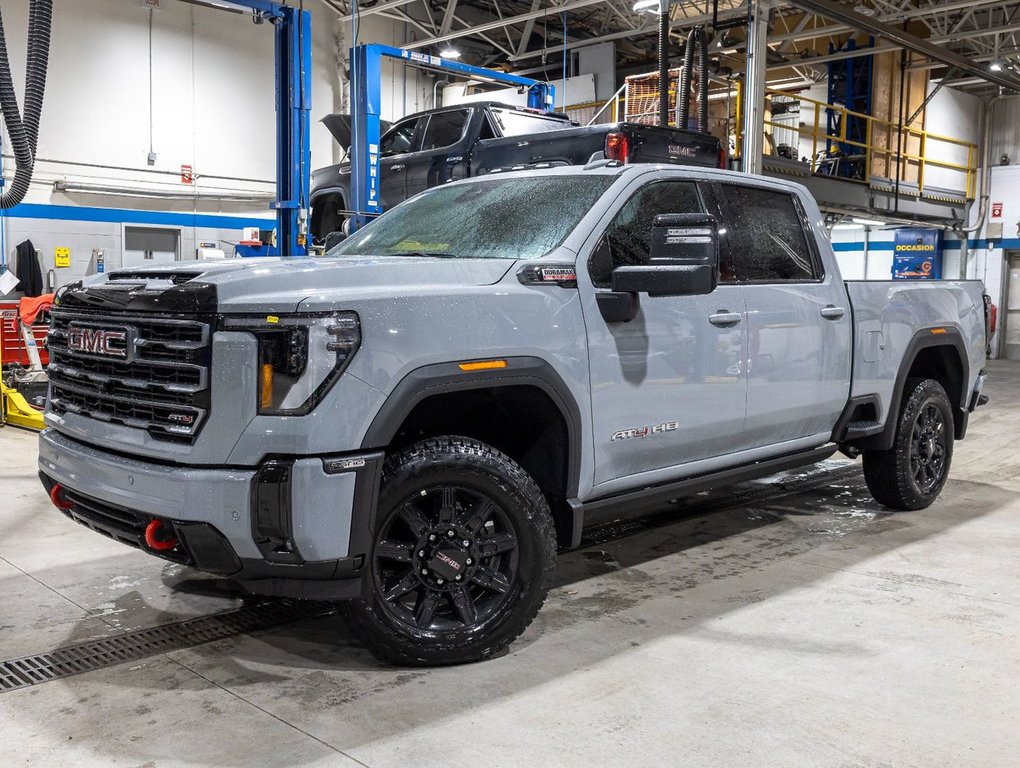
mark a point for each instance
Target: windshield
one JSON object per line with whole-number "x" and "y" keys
{"x": 494, "y": 218}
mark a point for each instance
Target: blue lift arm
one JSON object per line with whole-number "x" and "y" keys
{"x": 292, "y": 29}
{"x": 366, "y": 78}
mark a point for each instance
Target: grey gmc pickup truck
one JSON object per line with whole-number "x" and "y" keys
{"x": 414, "y": 423}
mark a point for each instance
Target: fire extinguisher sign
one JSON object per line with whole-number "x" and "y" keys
{"x": 996, "y": 210}
{"x": 187, "y": 175}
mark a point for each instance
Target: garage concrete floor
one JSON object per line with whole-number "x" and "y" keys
{"x": 803, "y": 628}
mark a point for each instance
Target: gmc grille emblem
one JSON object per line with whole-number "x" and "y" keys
{"x": 99, "y": 341}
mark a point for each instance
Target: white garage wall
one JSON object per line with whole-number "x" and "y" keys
{"x": 213, "y": 97}
{"x": 213, "y": 108}
{"x": 957, "y": 115}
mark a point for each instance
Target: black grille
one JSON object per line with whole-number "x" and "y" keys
{"x": 154, "y": 377}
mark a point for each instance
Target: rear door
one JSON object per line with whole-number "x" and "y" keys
{"x": 441, "y": 152}
{"x": 798, "y": 317}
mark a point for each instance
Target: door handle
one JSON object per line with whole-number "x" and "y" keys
{"x": 724, "y": 318}
{"x": 398, "y": 167}
{"x": 832, "y": 313}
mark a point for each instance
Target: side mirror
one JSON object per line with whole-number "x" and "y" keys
{"x": 333, "y": 239}
{"x": 684, "y": 259}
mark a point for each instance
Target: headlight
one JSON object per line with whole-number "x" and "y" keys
{"x": 300, "y": 357}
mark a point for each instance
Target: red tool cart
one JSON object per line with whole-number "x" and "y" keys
{"x": 10, "y": 340}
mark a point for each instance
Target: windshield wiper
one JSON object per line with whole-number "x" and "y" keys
{"x": 428, "y": 254}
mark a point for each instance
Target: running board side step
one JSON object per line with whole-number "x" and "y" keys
{"x": 637, "y": 501}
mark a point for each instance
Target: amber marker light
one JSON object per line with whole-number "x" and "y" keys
{"x": 266, "y": 386}
{"x": 482, "y": 365}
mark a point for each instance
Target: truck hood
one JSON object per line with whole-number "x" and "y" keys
{"x": 281, "y": 284}
{"x": 340, "y": 126}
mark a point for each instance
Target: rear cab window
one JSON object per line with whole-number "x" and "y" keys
{"x": 767, "y": 236}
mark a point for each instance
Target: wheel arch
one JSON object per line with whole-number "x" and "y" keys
{"x": 937, "y": 353}
{"x": 525, "y": 410}
{"x": 317, "y": 204}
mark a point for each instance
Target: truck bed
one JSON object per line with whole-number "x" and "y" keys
{"x": 575, "y": 146}
{"x": 889, "y": 314}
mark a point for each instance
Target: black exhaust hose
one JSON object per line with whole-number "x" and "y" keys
{"x": 664, "y": 68}
{"x": 23, "y": 134}
{"x": 683, "y": 96}
{"x": 702, "y": 80}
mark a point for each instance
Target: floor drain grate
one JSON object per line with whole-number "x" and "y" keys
{"x": 601, "y": 534}
{"x": 132, "y": 646}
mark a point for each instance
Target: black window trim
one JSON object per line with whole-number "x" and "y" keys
{"x": 809, "y": 236}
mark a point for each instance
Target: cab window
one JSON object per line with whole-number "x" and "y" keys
{"x": 445, "y": 129}
{"x": 627, "y": 240}
{"x": 399, "y": 139}
{"x": 767, "y": 241}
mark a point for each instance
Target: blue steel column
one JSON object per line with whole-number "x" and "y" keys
{"x": 366, "y": 78}
{"x": 293, "y": 31}
{"x": 366, "y": 81}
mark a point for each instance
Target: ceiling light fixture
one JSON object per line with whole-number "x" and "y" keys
{"x": 995, "y": 66}
{"x": 646, "y": 6}
{"x": 868, "y": 222}
{"x": 449, "y": 52}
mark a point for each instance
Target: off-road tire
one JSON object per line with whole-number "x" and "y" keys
{"x": 391, "y": 626}
{"x": 900, "y": 478}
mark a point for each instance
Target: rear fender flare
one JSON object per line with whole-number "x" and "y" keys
{"x": 926, "y": 338}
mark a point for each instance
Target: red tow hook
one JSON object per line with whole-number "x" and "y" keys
{"x": 58, "y": 498}
{"x": 159, "y": 536}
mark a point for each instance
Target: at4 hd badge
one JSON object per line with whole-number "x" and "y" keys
{"x": 643, "y": 432}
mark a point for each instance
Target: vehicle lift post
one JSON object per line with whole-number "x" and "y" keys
{"x": 366, "y": 79}
{"x": 292, "y": 30}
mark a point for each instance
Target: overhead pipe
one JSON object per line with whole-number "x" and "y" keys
{"x": 702, "y": 39}
{"x": 839, "y": 12}
{"x": 663, "y": 64}
{"x": 683, "y": 101}
{"x": 697, "y": 42}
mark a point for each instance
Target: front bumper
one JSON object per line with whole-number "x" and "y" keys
{"x": 300, "y": 532}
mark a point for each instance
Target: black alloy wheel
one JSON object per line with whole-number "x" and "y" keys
{"x": 912, "y": 473}
{"x": 446, "y": 559}
{"x": 928, "y": 448}
{"x": 464, "y": 552}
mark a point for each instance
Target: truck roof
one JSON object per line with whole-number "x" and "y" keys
{"x": 497, "y": 104}
{"x": 612, "y": 168}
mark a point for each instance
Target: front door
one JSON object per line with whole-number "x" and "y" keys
{"x": 1011, "y": 317}
{"x": 441, "y": 154}
{"x": 395, "y": 152}
{"x": 668, "y": 387}
{"x": 798, "y": 318}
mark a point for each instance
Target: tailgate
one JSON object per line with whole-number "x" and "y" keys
{"x": 653, "y": 144}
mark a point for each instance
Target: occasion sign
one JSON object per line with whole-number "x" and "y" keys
{"x": 917, "y": 255}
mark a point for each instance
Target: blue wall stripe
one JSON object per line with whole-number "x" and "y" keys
{"x": 128, "y": 216}
{"x": 948, "y": 245}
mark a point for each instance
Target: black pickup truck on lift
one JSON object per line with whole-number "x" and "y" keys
{"x": 439, "y": 145}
